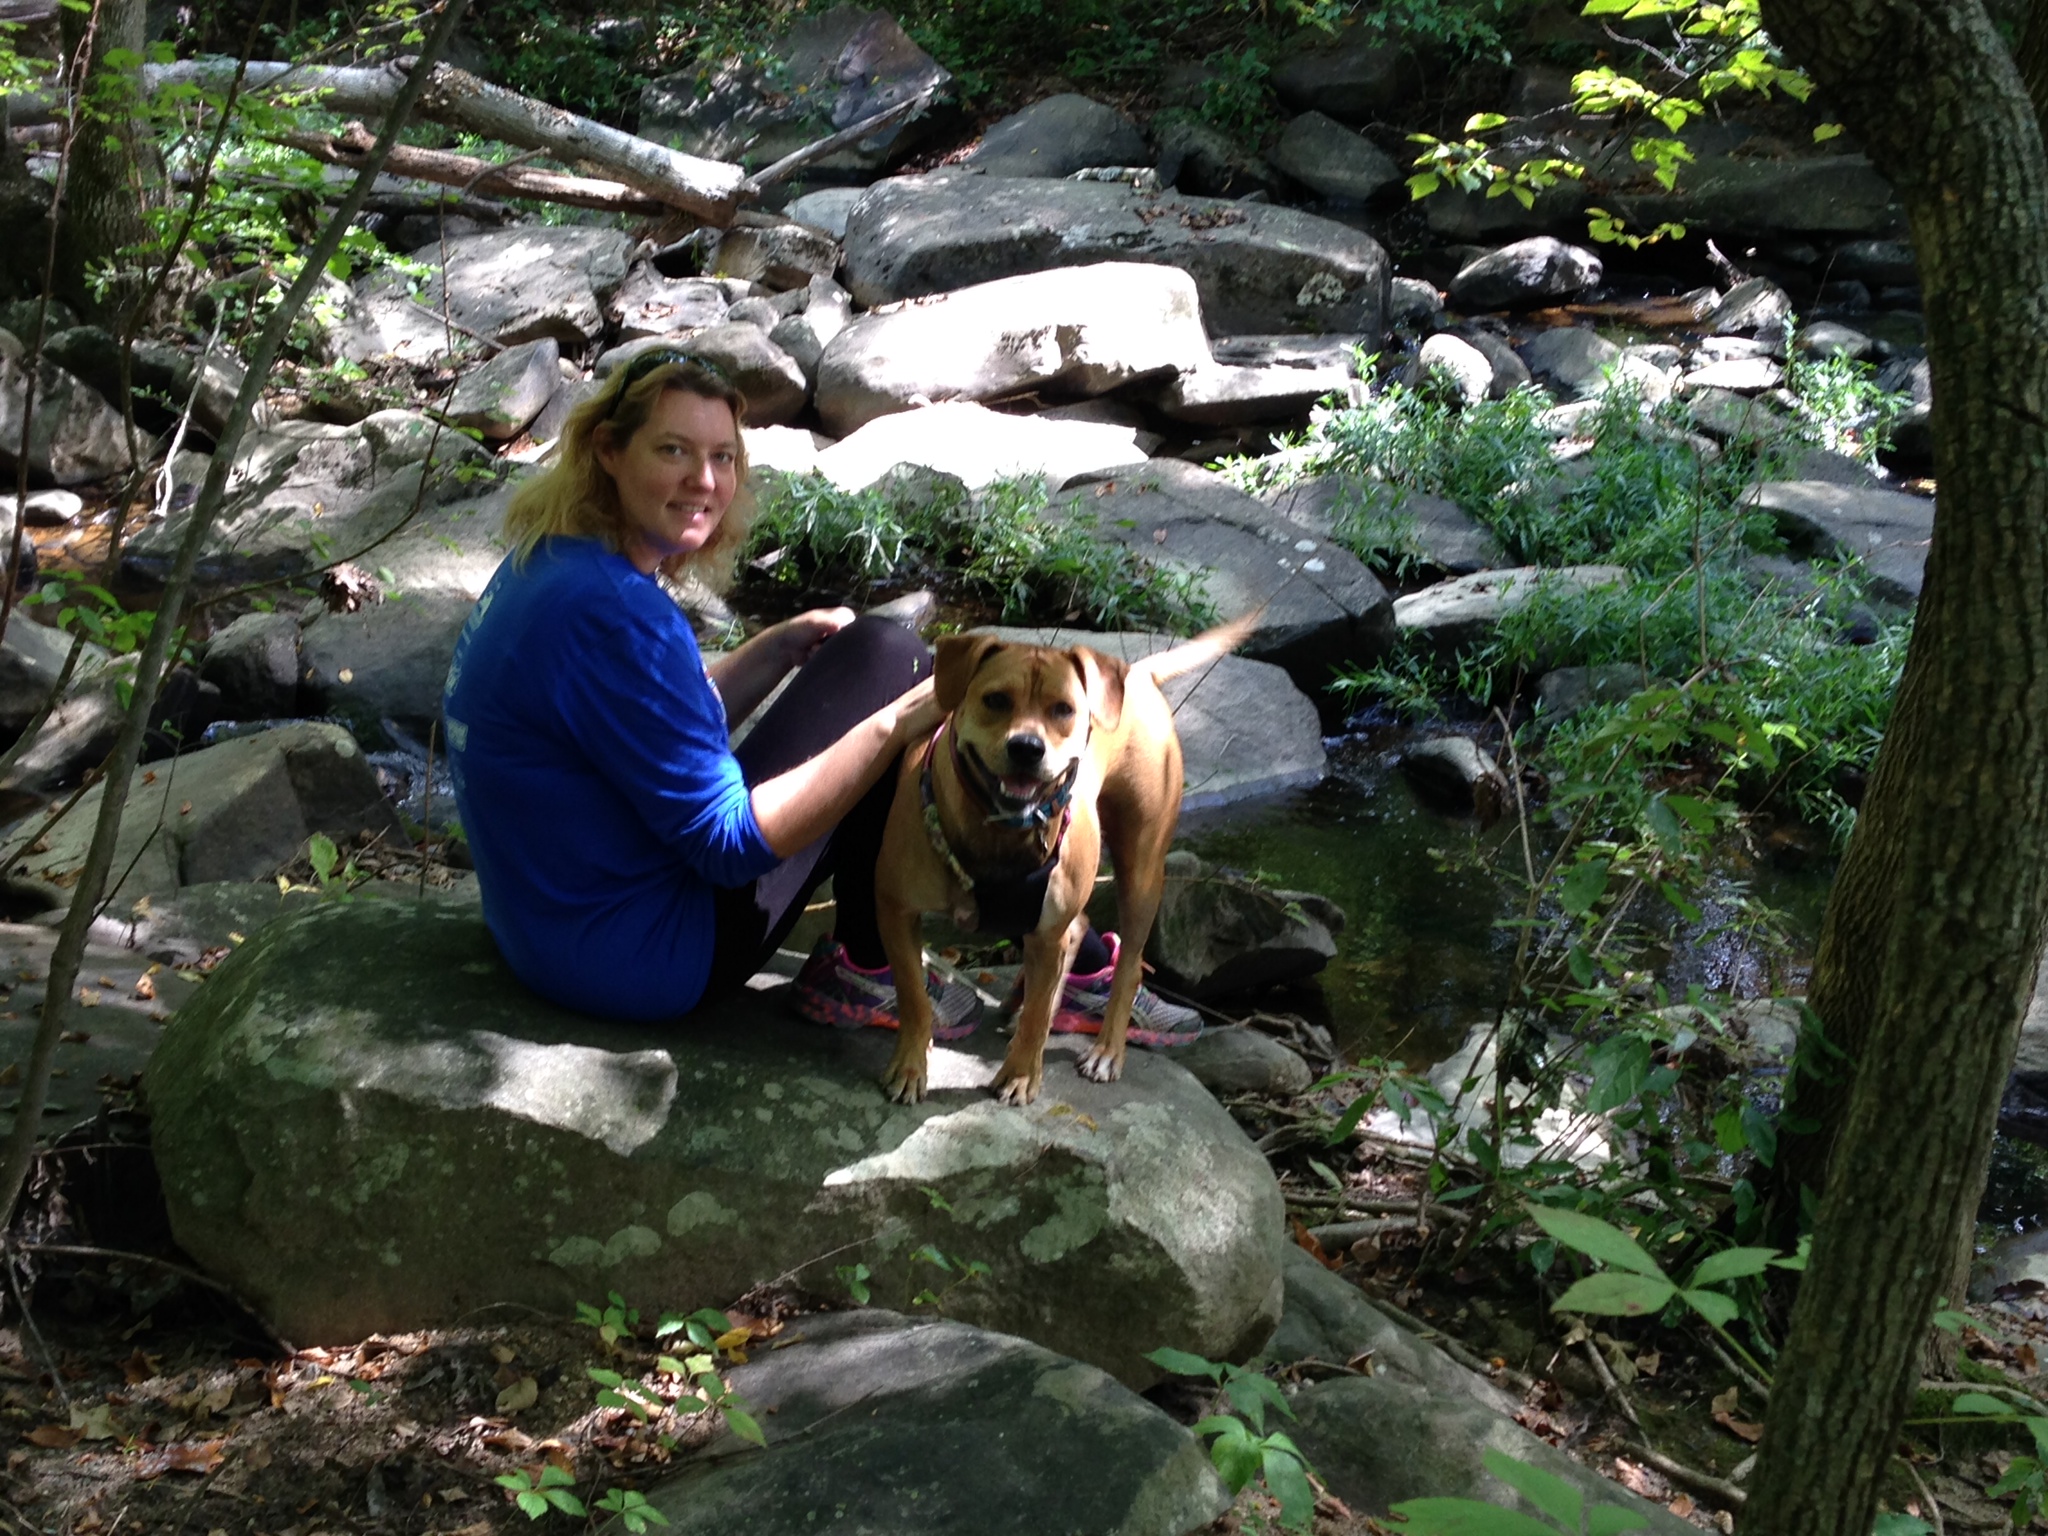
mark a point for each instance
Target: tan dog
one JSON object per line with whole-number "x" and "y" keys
{"x": 1046, "y": 756}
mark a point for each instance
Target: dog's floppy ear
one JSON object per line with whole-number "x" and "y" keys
{"x": 959, "y": 658}
{"x": 1103, "y": 677}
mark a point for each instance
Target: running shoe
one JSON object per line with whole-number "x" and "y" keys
{"x": 831, "y": 989}
{"x": 1154, "y": 1021}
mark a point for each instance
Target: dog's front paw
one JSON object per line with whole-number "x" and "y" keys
{"x": 905, "y": 1080}
{"x": 1016, "y": 1091}
{"x": 1100, "y": 1065}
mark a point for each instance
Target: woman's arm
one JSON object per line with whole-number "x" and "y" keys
{"x": 747, "y": 675}
{"x": 796, "y": 808}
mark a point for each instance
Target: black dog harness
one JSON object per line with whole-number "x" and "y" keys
{"x": 1008, "y": 906}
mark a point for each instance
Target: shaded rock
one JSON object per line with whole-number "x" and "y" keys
{"x": 1245, "y": 729}
{"x": 74, "y": 437}
{"x": 1532, "y": 271}
{"x": 648, "y": 304}
{"x": 1218, "y": 933}
{"x": 1057, "y": 137}
{"x": 1732, "y": 418}
{"x": 978, "y": 445}
{"x": 1888, "y": 531}
{"x": 1475, "y": 218}
{"x": 31, "y": 660}
{"x": 165, "y": 378}
{"x": 1201, "y": 158}
{"x": 779, "y": 256}
{"x": 1327, "y": 1318}
{"x": 1456, "y": 364}
{"x": 1830, "y": 338}
{"x": 1464, "y": 609}
{"x": 1074, "y": 330}
{"x": 1453, "y": 774}
{"x": 254, "y": 661}
{"x": 774, "y": 386}
{"x": 254, "y": 802}
{"x": 759, "y": 313}
{"x": 1435, "y": 530}
{"x": 385, "y": 661}
{"x": 45, "y": 509}
{"x": 1356, "y": 75}
{"x": 1259, "y": 268}
{"x": 1911, "y": 433}
{"x": 500, "y": 398}
{"x": 301, "y": 484}
{"x": 510, "y": 285}
{"x": 826, "y": 209}
{"x": 1339, "y": 162}
{"x": 338, "y": 1136}
{"x": 1510, "y": 373}
{"x": 1811, "y": 463}
{"x": 1414, "y": 302}
{"x": 1233, "y": 1059}
{"x": 930, "y": 1428}
{"x": 1378, "y": 1440}
{"x": 827, "y": 71}
{"x": 1564, "y": 691}
{"x": 1757, "y": 304}
{"x": 554, "y": 416}
{"x": 1879, "y": 263}
{"x": 1763, "y": 198}
{"x": 1572, "y": 359}
{"x": 1320, "y": 603}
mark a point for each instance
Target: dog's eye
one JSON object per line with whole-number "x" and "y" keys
{"x": 1061, "y": 711}
{"x": 998, "y": 702}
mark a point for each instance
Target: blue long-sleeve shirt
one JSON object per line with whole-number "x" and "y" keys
{"x": 595, "y": 780}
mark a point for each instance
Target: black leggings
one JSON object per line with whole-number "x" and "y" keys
{"x": 858, "y": 671}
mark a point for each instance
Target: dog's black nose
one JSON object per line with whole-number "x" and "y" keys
{"x": 1027, "y": 751}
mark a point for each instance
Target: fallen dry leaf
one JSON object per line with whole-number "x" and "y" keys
{"x": 185, "y": 808}
{"x": 196, "y": 1456}
{"x": 1649, "y": 1362}
{"x": 10, "y": 1075}
{"x": 145, "y": 989}
{"x": 53, "y": 1437}
{"x": 257, "y": 1457}
{"x": 1739, "y": 1428}
{"x": 1682, "y": 1505}
{"x": 504, "y": 1354}
{"x": 523, "y": 1393}
{"x": 95, "y": 1423}
{"x": 1727, "y": 1401}
{"x": 139, "y": 1367}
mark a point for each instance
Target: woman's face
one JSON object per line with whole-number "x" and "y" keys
{"x": 676, "y": 476}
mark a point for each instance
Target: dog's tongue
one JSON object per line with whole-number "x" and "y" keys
{"x": 1020, "y": 787}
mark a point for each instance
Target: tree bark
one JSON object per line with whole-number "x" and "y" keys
{"x": 710, "y": 189}
{"x": 103, "y": 187}
{"x": 473, "y": 175}
{"x": 1927, "y": 957}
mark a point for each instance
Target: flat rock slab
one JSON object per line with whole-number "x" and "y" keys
{"x": 977, "y": 446}
{"x": 1321, "y": 605}
{"x": 902, "y": 1428}
{"x": 1889, "y": 531}
{"x": 365, "y": 1124}
{"x": 1433, "y": 529}
{"x": 1466, "y": 608}
{"x": 1259, "y": 267}
{"x": 1245, "y": 729}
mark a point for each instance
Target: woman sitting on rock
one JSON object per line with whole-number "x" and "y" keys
{"x": 632, "y": 862}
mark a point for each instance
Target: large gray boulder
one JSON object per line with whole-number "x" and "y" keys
{"x": 930, "y": 1428}
{"x": 648, "y": 304}
{"x": 1219, "y": 933}
{"x": 1758, "y": 197}
{"x": 499, "y": 398}
{"x": 303, "y": 493}
{"x": 1573, "y": 360}
{"x": 1432, "y": 529}
{"x": 508, "y": 286}
{"x": 1338, "y": 162}
{"x": 164, "y": 378}
{"x": 828, "y": 70}
{"x": 32, "y": 660}
{"x": 364, "y": 1123}
{"x": 1321, "y": 605}
{"x": 1259, "y": 268}
{"x": 1245, "y": 730}
{"x": 1057, "y": 137}
{"x": 385, "y": 661}
{"x": 1888, "y": 531}
{"x": 1532, "y": 271}
{"x": 1075, "y": 330}
{"x": 230, "y": 812}
{"x": 977, "y": 446}
{"x": 254, "y": 662}
{"x": 74, "y": 438}
{"x": 1357, "y": 74}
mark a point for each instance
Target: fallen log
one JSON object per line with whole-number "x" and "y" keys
{"x": 708, "y": 189}
{"x": 352, "y": 144}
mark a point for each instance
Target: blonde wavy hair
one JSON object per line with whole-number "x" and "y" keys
{"x": 576, "y": 495}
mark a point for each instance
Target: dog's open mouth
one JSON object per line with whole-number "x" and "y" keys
{"x": 1011, "y": 791}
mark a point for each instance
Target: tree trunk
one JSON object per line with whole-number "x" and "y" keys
{"x": 102, "y": 211}
{"x": 1927, "y": 957}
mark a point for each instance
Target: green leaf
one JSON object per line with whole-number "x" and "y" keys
{"x": 1713, "y": 1306}
{"x": 1982, "y": 1402}
{"x": 1664, "y": 823}
{"x": 1287, "y": 1480}
{"x": 1422, "y": 184}
{"x": 1733, "y": 1264}
{"x": 745, "y": 1425}
{"x": 1594, "y": 1238}
{"x": 566, "y": 1502}
{"x": 1466, "y": 1517}
{"x": 1547, "y": 1491}
{"x": 1251, "y": 1394}
{"x": 1901, "y": 1525}
{"x": 535, "y": 1505}
{"x": 1825, "y": 131}
{"x": 1613, "y": 1520}
{"x": 1616, "y": 1293}
{"x": 1619, "y": 1067}
{"x": 1179, "y": 1362}
{"x": 1479, "y": 122}
{"x": 1583, "y": 886}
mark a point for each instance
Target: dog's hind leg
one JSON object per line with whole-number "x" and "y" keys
{"x": 1047, "y": 958}
{"x": 903, "y": 941}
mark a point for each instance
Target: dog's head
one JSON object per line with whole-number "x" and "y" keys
{"x": 1022, "y": 713}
